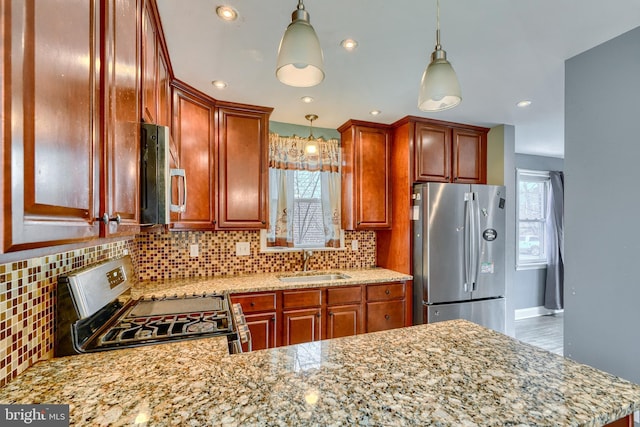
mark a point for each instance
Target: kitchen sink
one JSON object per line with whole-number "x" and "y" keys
{"x": 319, "y": 277}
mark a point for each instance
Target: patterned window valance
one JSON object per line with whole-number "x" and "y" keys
{"x": 288, "y": 153}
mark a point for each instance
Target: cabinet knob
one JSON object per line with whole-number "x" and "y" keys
{"x": 264, "y": 222}
{"x": 318, "y": 315}
{"x": 387, "y": 292}
{"x": 106, "y": 220}
{"x": 252, "y": 304}
{"x": 331, "y": 313}
{"x": 273, "y": 319}
{"x": 386, "y": 316}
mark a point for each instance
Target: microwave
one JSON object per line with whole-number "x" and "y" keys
{"x": 159, "y": 182}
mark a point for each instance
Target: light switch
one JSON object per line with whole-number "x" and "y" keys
{"x": 243, "y": 249}
{"x": 354, "y": 245}
{"x": 194, "y": 250}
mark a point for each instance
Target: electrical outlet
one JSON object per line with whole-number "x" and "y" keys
{"x": 194, "y": 250}
{"x": 243, "y": 249}
{"x": 354, "y": 245}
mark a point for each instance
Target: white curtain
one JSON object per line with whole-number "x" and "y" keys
{"x": 286, "y": 156}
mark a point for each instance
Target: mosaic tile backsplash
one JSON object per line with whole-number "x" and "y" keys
{"x": 28, "y": 287}
{"x": 165, "y": 255}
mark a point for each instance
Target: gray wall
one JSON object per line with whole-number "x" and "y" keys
{"x": 287, "y": 129}
{"x": 529, "y": 284}
{"x": 602, "y": 206}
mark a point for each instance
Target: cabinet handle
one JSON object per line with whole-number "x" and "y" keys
{"x": 106, "y": 220}
{"x": 386, "y": 316}
{"x": 387, "y": 292}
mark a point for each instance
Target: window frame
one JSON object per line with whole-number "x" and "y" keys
{"x": 539, "y": 176}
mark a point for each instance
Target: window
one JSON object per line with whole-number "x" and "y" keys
{"x": 533, "y": 189}
{"x": 304, "y": 192}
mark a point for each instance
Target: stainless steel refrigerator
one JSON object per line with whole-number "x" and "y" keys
{"x": 459, "y": 253}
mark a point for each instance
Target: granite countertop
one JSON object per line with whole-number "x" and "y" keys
{"x": 261, "y": 282}
{"x": 448, "y": 373}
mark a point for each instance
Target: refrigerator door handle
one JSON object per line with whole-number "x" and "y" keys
{"x": 468, "y": 207}
{"x": 475, "y": 233}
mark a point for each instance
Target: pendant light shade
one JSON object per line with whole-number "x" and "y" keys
{"x": 300, "y": 60}
{"x": 439, "y": 89}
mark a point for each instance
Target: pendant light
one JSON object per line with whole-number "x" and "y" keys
{"x": 311, "y": 146}
{"x": 300, "y": 60}
{"x": 439, "y": 89}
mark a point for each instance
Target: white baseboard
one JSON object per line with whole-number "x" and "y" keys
{"x": 525, "y": 313}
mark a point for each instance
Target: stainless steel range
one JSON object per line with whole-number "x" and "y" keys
{"x": 94, "y": 313}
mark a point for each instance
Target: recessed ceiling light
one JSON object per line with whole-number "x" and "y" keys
{"x": 375, "y": 112}
{"x": 349, "y": 44}
{"x": 226, "y": 13}
{"x": 523, "y": 104}
{"x": 219, "y": 84}
{"x": 306, "y": 99}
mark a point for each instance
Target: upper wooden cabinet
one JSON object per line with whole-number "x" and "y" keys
{"x": 50, "y": 129}
{"x": 193, "y": 131}
{"x": 242, "y": 173}
{"x": 120, "y": 200}
{"x": 366, "y": 168}
{"x": 446, "y": 152}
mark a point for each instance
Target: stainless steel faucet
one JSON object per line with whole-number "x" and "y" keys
{"x": 306, "y": 255}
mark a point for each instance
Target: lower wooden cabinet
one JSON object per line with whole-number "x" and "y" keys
{"x": 302, "y": 325}
{"x": 297, "y": 316}
{"x": 260, "y": 311}
{"x": 263, "y": 331}
{"x": 344, "y": 320}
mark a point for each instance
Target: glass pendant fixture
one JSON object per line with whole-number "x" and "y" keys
{"x": 311, "y": 146}
{"x": 439, "y": 89}
{"x": 300, "y": 60}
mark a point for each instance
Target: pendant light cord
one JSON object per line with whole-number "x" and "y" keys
{"x": 438, "y": 47}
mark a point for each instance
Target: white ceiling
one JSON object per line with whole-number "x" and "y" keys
{"x": 503, "y": 51}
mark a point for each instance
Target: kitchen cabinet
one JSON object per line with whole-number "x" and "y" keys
{"x": 156, "y": 73}
{"x": 385, "y": 306}
{"x": 120, "y": 199}
{"x": 193, "y": 131}
{"x": 51, "y": 126}
{"x": 366, "y": 168}
{"x": 260, "y": 312}
{"x": 296, "y": 316}
{"x": 242, "y": 168}
{"x": 301, "y": 316}
{"x": 344, "y": 312}
{"x": 443, "y": 153}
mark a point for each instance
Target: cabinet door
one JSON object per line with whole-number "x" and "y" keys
{"x": 302, "y": 325}
{"x": 469, "y": 156}
{"x": 164, "y": 93}
{"x": 344, "y": 320}
{"x": 263, "y": 331}
{"x": 432, "y": 153}
{"x": 121, "y": 91}
{"x": 385, "y": 315}
{"x": 50, "y": 128}
{"x": 149, "y": 67}
{"x": 366, "y": 198}
{"x": 193, "y": 132}
{"x": 242, "y": 169}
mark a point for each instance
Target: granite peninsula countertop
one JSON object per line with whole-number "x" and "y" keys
{"x": 261, "y": 282}
{"x": 453, "y": 373}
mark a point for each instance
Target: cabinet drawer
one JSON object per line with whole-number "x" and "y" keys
{"x": 385, "y": 291}
{"x": 303, "y": 298}
{"x": 348, "y": 295}
{"x": 385, "y": 315}
{"x": 252, "y": 303}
